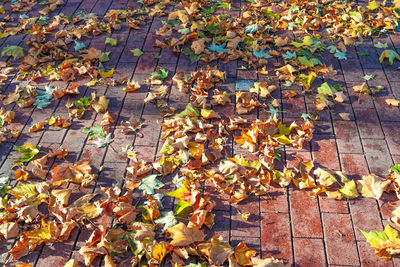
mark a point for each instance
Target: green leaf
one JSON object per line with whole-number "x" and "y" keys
{"x": 251, "y": 28}
{"x": 307, "y": 41}
{"x": 83, "y": 102}
{"x": 15, "y": 51}
{"x": 136, "y": 52}
{"x": 389, "y": 54}
{"x": 396, "y": 168}
{"x": 150, "y": 183}
{"x": 190, "y": 110}
{"x": 104, "y": 57}
{"x": 94, "y": 132}
{"x": 340, "y": 55}
{"x": 28, "y": 151}
{"x": 308, "y": 62}
{"x": 79, "y": 46}
{"x": 273, "y": 111}
{"x": 161, "y": 74}
{"x": 261, "y": 54}
{"x": 217, "y": 48}
{"x": 168, "y": 219}
{"x": 224, "y": 5}
{"x": 183, "y": 209}
{"x": 111, "y": 41}
{"x": 375, "y": 238}
{"x": 289, "y": 55}
{"x": 325, "y": 89}
{"x": 43, "y": 100}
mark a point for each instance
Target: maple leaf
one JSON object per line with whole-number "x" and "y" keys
{"x": 9, "y": 230}
{"x": 43, "y": 100}
{"x": 62, "y": 195}
{"x": 217, "y": 48}
{"x": 183, "y": 209}
{"x": 132, "y": 86}
{"x": 370, "y": 186}
{"x": 136, "y": 52}
{"x": 251, "y": 28}
{"x": 349, "y": 190}
{"x": 390, "y": 55}
{"x": 309, "y": 62}
{"x": 94, "y": 132}
{"x": 190, "y": 110}
{"x": 324, "y": 178}
{"x": 15, "y": 51}
{"x": 385, "y": 243}
{"x": 79, "y": 46}
{"x": 243, "y": 254}
{"x": 307, "y": 80}
{"x": 160, "y": 250}
{"x": 101, "y": 105}
{"x": 150, "y": 183}
{"x": 307, "y": 41}
{"x": 261, "y": 54}
{"x": 111, "y": 41}
{"x": 168, "y": 219}
{"x": 29, "y": 151}
{"x": 340, "y": 55}
{"x": 104, "y": 141}
{"x": 373, "y": 5}
{"x": 107, "y": 74}
{"x": 182, "y": 235}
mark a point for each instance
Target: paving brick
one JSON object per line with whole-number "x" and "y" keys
{"x": 352, "y": 70}
{"x": 146, "y": 64}
{"x": 293, "y": 107}
{"x": 347, "y": 137}
{"x": 365, "y": 216}
{"x": 309, "y": 252}
{"x": 392, "y": 135}
{"x": 276, "y": 200}
{"x": 251, "y": 227}
{"x": 354, "y": 165}
{"x": 305, "y": 216}
{"x": 378, "y": 156}
{"x": 332, "y": 205}
{"x": 368, "y": 123}
{"x": 340, "y": 242}
{"x": 276, "y": 236}
{"x": 325, "y": 152}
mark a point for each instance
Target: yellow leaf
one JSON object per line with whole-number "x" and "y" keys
{"x": 107, "y": 74}
{"x": 392, "y": 102}
{"x": 324, "y": 177}
{"x": 62, "y": 195}
{"x": 243, "y": 254}
{"x": 160, "y": 250}
{"x": 373, "y": 5}
{"x": 71, "y": 263}
{"x": 371, "y": 187}
{"x": 183, "y": 236}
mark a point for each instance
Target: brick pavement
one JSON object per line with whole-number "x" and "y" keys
{"x": 286, "y": 223}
